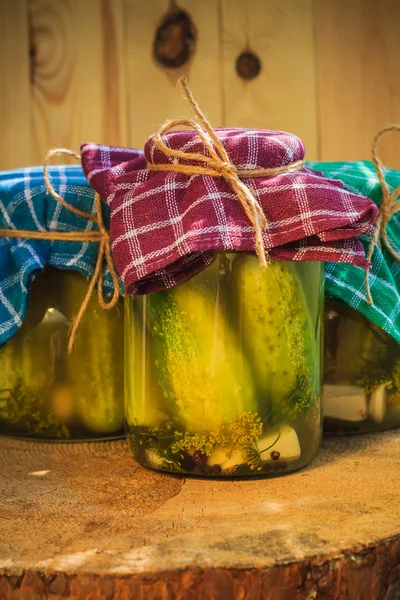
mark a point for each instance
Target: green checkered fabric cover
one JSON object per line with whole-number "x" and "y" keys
{"x": 346, "y": 282}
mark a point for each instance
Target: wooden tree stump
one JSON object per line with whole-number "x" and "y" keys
{"x": 84, "y": 521}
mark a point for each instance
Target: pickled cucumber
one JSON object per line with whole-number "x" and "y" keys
{"x": 201, "y": 370}
{"x": 279, "y": 337}
{"x": 95, "y": 367}
{"x": 355, "y": 348}
{"x": 140, "y": 384}
{"x": 27, "y": 382}
{"x": 361, "y": 374}
{"x": 44, "y": 392}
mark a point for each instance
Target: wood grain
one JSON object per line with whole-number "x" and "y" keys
{"x": 358, "y": 57}
{"x": 15, "y": 104}
{"x": 283, "y": 95}
{"x": 94, "y": 78}
{"x": 80, "y": 519}
{"x": 78, "y": 83}
{"x": 153, "y": 96}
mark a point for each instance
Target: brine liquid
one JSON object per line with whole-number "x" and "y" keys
{"x": 362, "y": 374}
{"x": 223, "y": 372}
{"x": 46, "y": 393}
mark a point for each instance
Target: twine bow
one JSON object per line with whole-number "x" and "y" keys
{"x": 218, "y": 164}
{"x": 389, "y": 207}
{"x": 100, "y": 236}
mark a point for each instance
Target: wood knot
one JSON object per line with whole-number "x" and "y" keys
{"x": 175, "y": 40}
{"x": 248, "y": 65}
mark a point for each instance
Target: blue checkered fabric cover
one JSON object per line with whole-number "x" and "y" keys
{"x": 25, "y": 204}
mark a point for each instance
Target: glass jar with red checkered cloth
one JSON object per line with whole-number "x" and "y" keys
{"x": 223, "y": 355}
{"x": 223, "y": 374}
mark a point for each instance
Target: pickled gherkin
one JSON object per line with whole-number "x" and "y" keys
{"x": 46, "y": 393}
{"x": 100, "y": 378}
{"x": 198, "y": 361}
{"x": 222, "y": 371}
{"x": 279, "y": 339}
{"x": 22, "y": 407}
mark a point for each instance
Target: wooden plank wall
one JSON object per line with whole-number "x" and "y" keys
{"x": 283, "y": 96}
{"x": 358, "y": 65}
{"x": 153, "y": 95}
{"x": 15, "y": 105}
{"x": 78, "y": 84}
{"x": 77, "y": 71}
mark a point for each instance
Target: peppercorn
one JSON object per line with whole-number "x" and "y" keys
{"x": 275, "y": 455}
{"x": 187, "y": 463}
{"x": 216, "y": 470}
{"x": 199, "y": 458}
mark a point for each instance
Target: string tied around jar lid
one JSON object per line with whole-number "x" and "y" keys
{"x": 217, "y": 164}
{"x": 100, "y": 236}
{"x": 389, "y": 207}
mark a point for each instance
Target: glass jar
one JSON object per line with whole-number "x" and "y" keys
{"x": 46, "y": 393}
{"x": 222, "y": 372}
{"x": 362, "y": 373}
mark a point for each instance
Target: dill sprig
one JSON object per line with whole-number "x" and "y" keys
{"x": 173, "y": 446}
{"x": 28, "y": 414}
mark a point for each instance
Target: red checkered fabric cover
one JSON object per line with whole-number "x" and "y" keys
{"x": 166, "y": 226}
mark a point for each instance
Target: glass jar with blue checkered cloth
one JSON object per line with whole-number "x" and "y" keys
{"x": 45, "y": 392}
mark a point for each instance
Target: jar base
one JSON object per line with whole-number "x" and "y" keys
{"x": 71, "y": 440}
{"x": 336, "y": 427}
{"x": 221, "y": 464}
{"x": 228, "y": 476}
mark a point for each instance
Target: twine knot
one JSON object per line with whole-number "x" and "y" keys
{"x": 389, "y": 206}
{"x": 216, "y": 163}
{"x": 227, "y": 170}
{"x": 100, "y": 236}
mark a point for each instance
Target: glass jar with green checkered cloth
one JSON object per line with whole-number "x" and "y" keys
{"x": 362, "y": 340}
